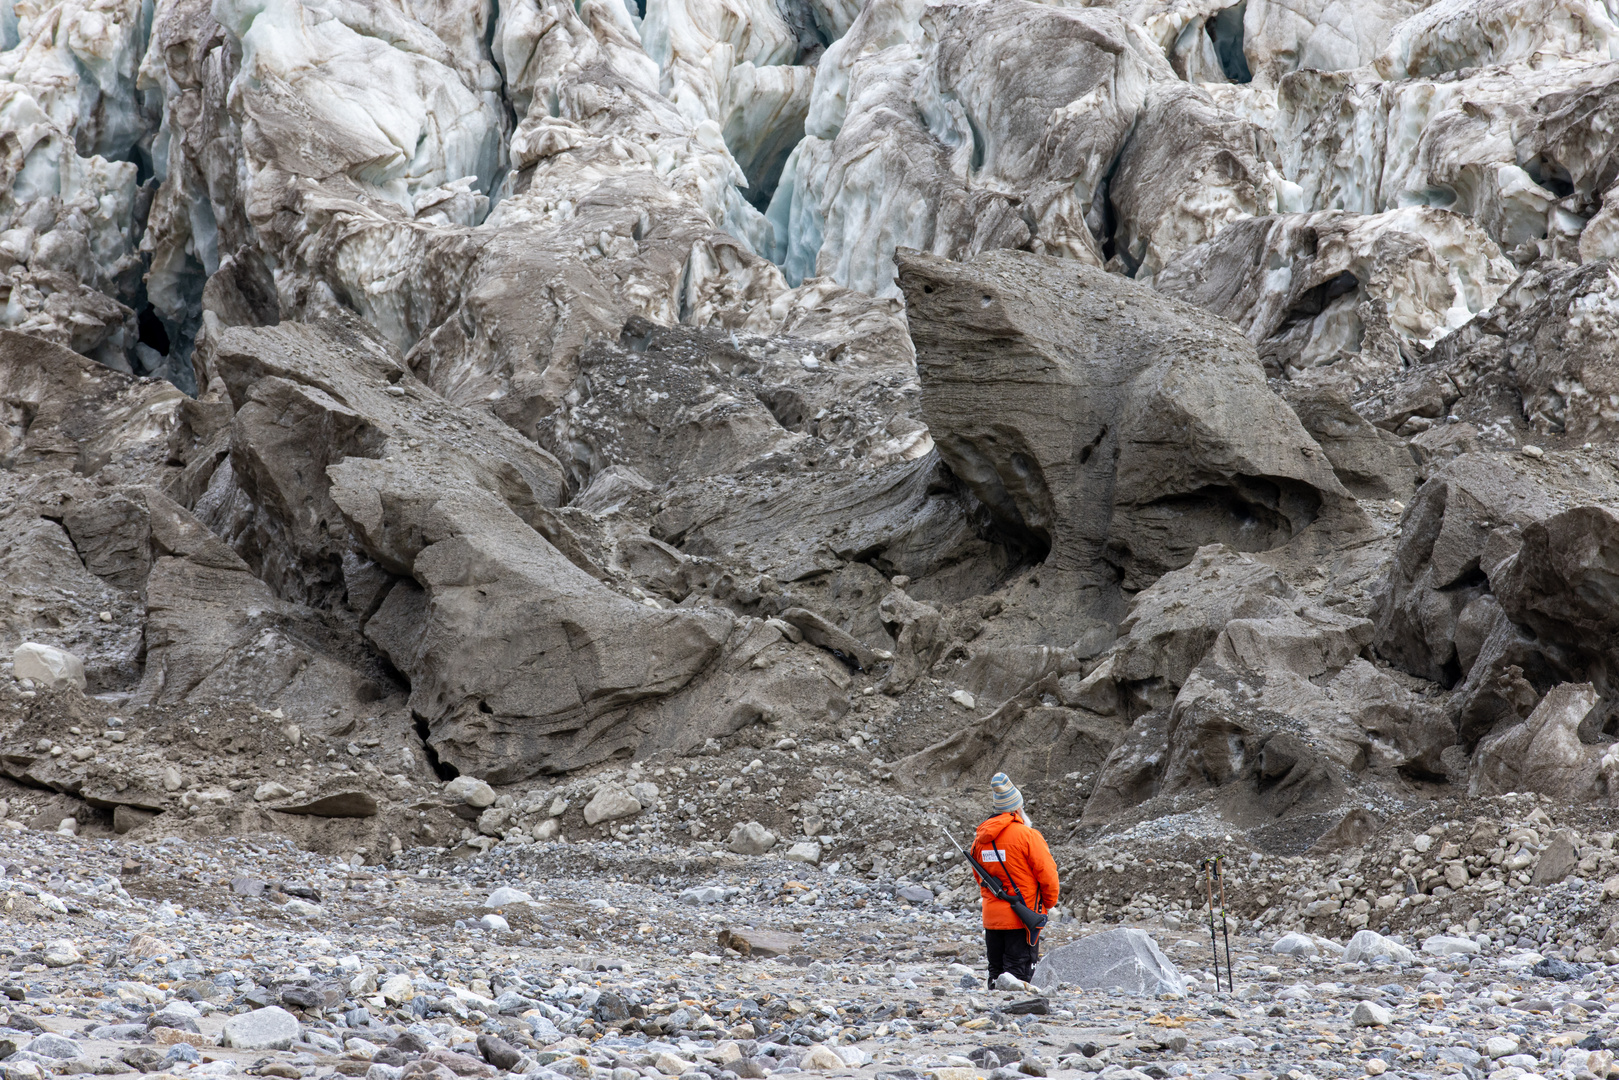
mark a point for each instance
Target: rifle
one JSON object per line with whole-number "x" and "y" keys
{"x": 1032, "y": 920}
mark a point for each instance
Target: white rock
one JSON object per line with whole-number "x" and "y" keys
{"x": 271, "y": 790}
{"x": 47, "y": 665}
{"x": 1498, "y": 1046}
{"x": 1295, "y": 945}
{"x": 610, "y": 803}
{"x": 1369, "y": 944}
{"x": 273, "y": 1028}
{"x": 1370, "y": 1014}
{"x": 470, "y": 790}
{"x": 1442, "y": 945}
{"x": 964, "y": 699}
{"x": 507, "y": 895}
{"x": 751, "y": 838}
{"x": 303, "y": 909}
{"x": 805, "y": 851}
{"x": 61, "y": 954}
{"x": 495, "y": 922}
{"x": 397, "y": 988}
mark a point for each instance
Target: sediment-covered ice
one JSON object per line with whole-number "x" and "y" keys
{"x": 493, "y": 186}
{"x": 1341, "y": 294}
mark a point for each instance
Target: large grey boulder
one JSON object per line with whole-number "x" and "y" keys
{"x": 1371, "y": 462}
{"x": 1497, "y": 584}
{"x": 512, "y": 651}
{"x": 66, "y": 412}
{"x": 432, "y": 527}
{"x": 1460, "y": 526}
{"x": 308, "y": 396}
{"x": 1253, "y": 690}
{"x": 610, "y": 803}
{"x": 1126, "y": 959}
{"x": 1544, "y": 752}
{"x": 1104, "y": 422}
{"x": 47, "y": 665}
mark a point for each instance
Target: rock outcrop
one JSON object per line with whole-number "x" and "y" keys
{"x": 1103, "y": 423}
{"x": 1185, "y": 408}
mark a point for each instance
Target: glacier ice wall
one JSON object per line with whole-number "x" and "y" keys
{"x": 493, "y": 186}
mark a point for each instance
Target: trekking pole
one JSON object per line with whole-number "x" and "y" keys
{"x": 1219, "y": 872}
{"x": 1208, "y": 885}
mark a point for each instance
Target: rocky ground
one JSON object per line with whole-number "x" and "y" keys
{"x": 246, "y": 955}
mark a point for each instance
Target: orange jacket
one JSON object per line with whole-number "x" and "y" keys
{"x": 1022, "y": 851}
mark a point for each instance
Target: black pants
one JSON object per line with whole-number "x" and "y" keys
{"x": 1009, "y": 950}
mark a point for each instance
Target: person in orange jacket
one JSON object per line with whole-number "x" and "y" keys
{"x": 1010, "y": 848}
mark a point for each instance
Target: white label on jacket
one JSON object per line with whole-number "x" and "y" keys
{"x": 990, "y": 855}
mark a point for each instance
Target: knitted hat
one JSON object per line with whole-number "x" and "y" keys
{"x": 1006, "y": 797}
